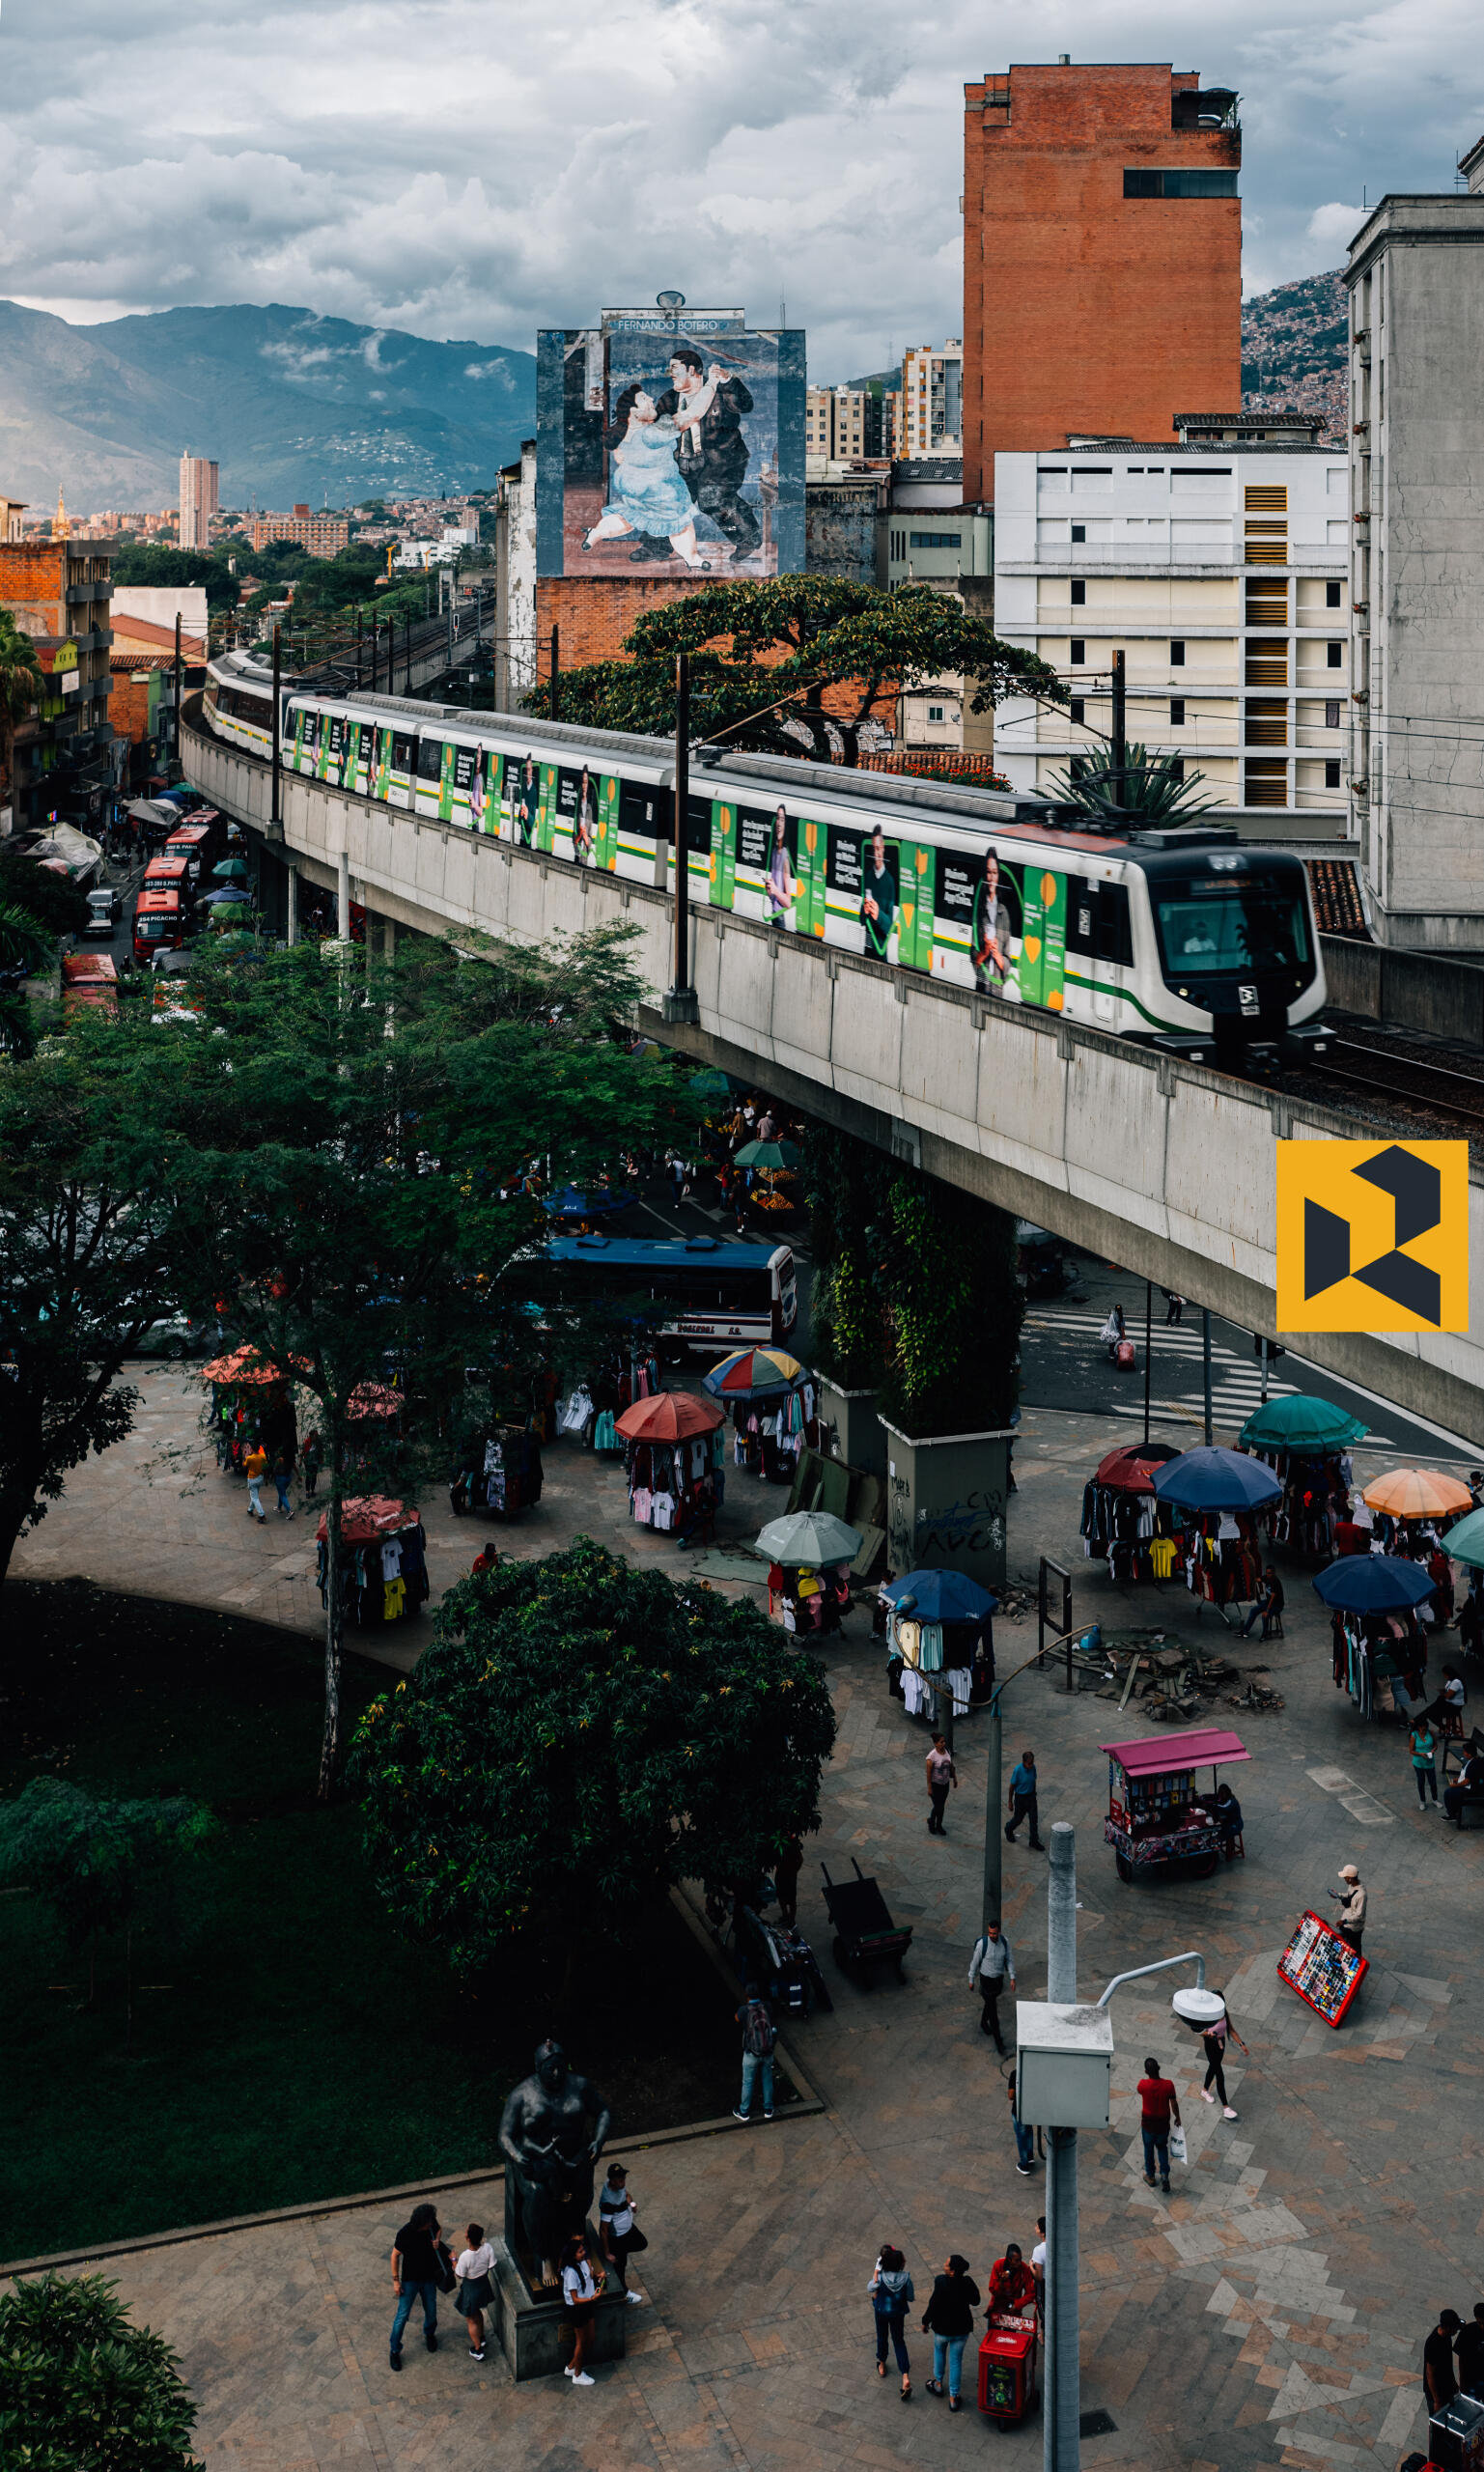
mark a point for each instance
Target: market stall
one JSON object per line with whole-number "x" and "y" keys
{"x": 673, "y": 1455}
{"x": 1216, "y": 1496}
{"x": 382, "y": 1560}
{"x": 809, "y": 1555}
{"x": 1379, "y": 1646}
{"x": 1306, "y": 1442}
{"x": 251, "y": 1403}
{"x": 1157, "y": 1818}
{"x": 1123, "y": 1524}
{"x": 1322, "y": 1967}
{"x": 775, "y": 1195}
{"x": 939, "y": 1641}
{"x": 502, "y": 1477}
{"x": 773, "y": 1402}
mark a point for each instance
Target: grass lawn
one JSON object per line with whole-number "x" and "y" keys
{"x": 292, "y": 2046}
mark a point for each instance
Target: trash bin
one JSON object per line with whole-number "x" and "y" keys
{"x": 1007, "y": 2368}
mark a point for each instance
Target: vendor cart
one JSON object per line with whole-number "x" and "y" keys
{"x": 1157, "y": 1818}
{"x": 865, "y": 1935}
{"x": 1007, "y": 2368}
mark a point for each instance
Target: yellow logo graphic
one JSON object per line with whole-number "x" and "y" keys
{"x": 1373, "y": 1236}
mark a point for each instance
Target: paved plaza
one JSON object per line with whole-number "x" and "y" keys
{"x": 1270, "y": 2312}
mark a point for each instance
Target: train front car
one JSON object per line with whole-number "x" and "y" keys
{"x": 1238, "y": 953}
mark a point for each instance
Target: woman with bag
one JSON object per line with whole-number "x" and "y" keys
{"x": 1212, "y": 2039}
{"x": 618, "y": 2231}
{"x": 474, "y": 2267}
{"x": 891, "y": 2293}
{"x": 580, "y": 2293}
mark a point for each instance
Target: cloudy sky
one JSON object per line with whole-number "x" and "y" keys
{"x": 475, "y": 168}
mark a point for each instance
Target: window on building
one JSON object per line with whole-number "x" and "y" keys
{"x": 1141, "y": 181}
{"x": 935, "y": 540}
{"x": 1333, "y": 590}
{"x": 1332, "y": 771}
{"x": 1080, "y": 533}
{"x": 1078, "y": 592}
{"x": 1334, "y": 654}
{"x": 935, "y": 712}
{"x": 1177, "y": 656}
{"x": 1079, "y": 652}
{"x": 1177, "y": 712}
{"x": 1079, "y": 711}
{"x": 1332, "y": 715}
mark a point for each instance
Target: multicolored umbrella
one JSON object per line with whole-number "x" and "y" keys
{"x": 670, "y": 1415}
{"x": 1298, "y": 1422}
{"x": 1418, "y": 1493}
{"x": 750, "y": 1372}
{"x": 770, "y": 1156}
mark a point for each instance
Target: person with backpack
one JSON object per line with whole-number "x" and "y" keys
{"x": 759, "y": 2035}
{"x": 892, "y": 2294}
{"x": 989, "y": 1968}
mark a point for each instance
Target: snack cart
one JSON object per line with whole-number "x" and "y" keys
{"x": 1156, "y": 1815}
{"x": 1007, "y": 2368}
{"x": 1322, "y": 1967}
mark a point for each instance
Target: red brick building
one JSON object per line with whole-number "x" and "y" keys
{"x": 58, "y": 593}
{"x": 1102, "y": 256}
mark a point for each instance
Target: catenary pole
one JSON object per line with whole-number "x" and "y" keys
{"x": 1205, "y": 1353}
{"x": 1148, "y": 1342}
{"x": 681, "y": 818}
{"x": 995, "y": 1803}
{"x": 1120, "y": 749}
{"x": 556, "y": 673}
{"x": 278, "y": 729}
{"x": 1061, "y": 2449}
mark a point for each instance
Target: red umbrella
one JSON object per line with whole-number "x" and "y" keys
{"x": 670, "y": 1415}
{"x": 363, "y": 1516}
{"x": 1129, "y": 1469}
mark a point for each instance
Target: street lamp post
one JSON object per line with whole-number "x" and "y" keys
{"x": 1061, "y": 2426}
{"x": 994, "y": 1803}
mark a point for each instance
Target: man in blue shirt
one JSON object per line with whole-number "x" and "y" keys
{"x": 1022, "y": 1800}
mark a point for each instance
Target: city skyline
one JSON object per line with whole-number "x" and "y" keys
{"x": 811, "y": 158}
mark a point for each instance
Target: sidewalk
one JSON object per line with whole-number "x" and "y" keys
{"x": 1271, "y": 2312}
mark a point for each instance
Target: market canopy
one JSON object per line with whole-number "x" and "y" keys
{"x": 1165, "y": 1755}
{"x": 1372, "y": 1584}
{"x": 1299, "y": 1422}
{"x": 363, "y": 1516}
{"x": 804, "y": 1539}
{"x": 746, "y": 1371}
{"x": 1131, "y": 1468}
{"x": 670, "y": 1415}
{"x": 374, "y": 1399}
{"x": 1418, "y": 1493}
{"x": 713, "y": 1083}
{"x": 225, "y": 893}
{"x": 1465, "y": 1543}
{"x": 572, "y": 1202}
{"x": 1214, "y": 1480}
{"x": 244, "y": 1366}
{"x": 770, "y": 1156}
{"x": 940, "y": 1597}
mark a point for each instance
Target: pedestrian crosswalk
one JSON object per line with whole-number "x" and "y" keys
{"x": 1176, "y": 1370}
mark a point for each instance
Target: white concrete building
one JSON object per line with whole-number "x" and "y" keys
{"x": 1416, "y": 312}
{"x": 1219, "y": 565}
{"x": 515, "y": 580}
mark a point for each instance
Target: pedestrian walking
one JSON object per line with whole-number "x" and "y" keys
{"x": 310, "y": 1458}
{"x": 415, "y": 2276}
{"x": 892, "y": 2294}
{"x": 949, "y": 2319}
{"x": 283, "y": 1477}
{"x": 1025, "y": 2137}
{"x": 1174, "y": 1308}
{"x": 1469, "y": 2352}
{"x": 254, "y": 1468}
{"x": 1160, "y": 2105}
{"x": 787, "y": 1866}
{"x": 474, "y": 2266}
{"x": 1113, "y": 1333}
{"x": 1212, "y": 2039}
{"x": 1424, "y": 1752}
{"x": 942, "y": 1776}
{"x": 1350, "y": 1923}
{"x": 1024, "y": 1785}
{"x": 1439, "y": 2373}
{"x": 759, "y": 2035}
{"x": 1012, "y": 2283}
{"x": 989, "y": 1968}
{"x": 1038, "y": 2269}
{"x": 618, "y": 2231}
{"x": 579, "y": 2296}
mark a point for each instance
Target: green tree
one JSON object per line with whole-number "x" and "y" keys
{"x": 21, "y": 687}
{"x": 1148, "y": 789}
{"x": 951, "y": 1307}
{"x": 823, "y": 655}
{"x": 81, "y": 2389}
{"x": 56, "y": 905}
{"x": 581, "y": 1735}
{"x": 100, "y": 1866}
{"x": 847, "y": 1181}
{"x": 151, "y": 564}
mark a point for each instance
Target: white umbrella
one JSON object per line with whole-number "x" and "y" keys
{"x": 807, "y": 1538}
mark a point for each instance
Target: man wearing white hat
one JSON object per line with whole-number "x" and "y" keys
{"x": 1351, "y": 1924}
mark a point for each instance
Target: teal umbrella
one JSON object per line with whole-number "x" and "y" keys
{"x": 232, "y": 870}
{"x": 770, "y": 1155}
{"x": 1464, "y": 1542}
{"x": 1300, "y": 1424}
{"x": 713, "y": 1083}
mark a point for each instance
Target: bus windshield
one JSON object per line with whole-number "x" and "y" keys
{"x": 1207, "y": 924}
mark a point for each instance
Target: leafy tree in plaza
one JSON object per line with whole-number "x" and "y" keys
{"x": 581, "y": 1735}
{"x": 1153, "y": 789}
{"x": 350, "y": 1131}
{"x": 82, "y": 2389}
{"x": 20, "y": 686}
{"x": 822, "y": 655}
{"x": 100, "y": 1866}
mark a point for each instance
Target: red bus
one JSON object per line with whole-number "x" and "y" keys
{"x": 159, "y": 922}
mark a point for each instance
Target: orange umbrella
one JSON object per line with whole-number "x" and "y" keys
{"x": 670, "y": 1415}
{"x": 363, "y": 1516}
{"x": 245, "y": 1365}
{"x": 1418, "y": 1493}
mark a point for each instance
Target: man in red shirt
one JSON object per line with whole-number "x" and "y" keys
{"x": 1161, "y": 2105}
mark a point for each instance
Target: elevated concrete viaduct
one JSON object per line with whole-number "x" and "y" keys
{"x": 1164, "y": 1167}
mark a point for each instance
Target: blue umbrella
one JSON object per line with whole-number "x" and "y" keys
{"x": 1211, "y": 1479}
{"x": 942, "y": 1596}
{"x": 570, "y": 1203}
{"x": 1372, "y": 1584}
{"x": 229, "y": 893}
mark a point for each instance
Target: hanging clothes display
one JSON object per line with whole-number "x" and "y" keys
{"x": 506, "y": 1478}
{"x": 383, "y": 1561}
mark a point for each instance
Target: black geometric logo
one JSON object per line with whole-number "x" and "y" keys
{"x": 1415, "y": 1188}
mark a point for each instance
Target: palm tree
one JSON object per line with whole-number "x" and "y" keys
{"x": 1147, "y": 790}
{"x": 21, "y": 687}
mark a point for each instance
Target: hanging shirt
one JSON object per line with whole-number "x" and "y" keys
{"x": 391, "y": 1559}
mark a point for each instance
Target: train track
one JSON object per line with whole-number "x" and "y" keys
{"x": 1436, "y": 1089}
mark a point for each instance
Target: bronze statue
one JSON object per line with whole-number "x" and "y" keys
{"x": 549, "y": 2151}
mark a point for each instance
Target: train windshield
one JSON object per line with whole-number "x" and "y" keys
{"x": 1241, "y": 921}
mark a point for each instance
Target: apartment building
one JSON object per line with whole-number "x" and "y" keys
{"x": 324, "y": 536}
{"x": 932, "y": 400}
{"x": 845, "y": 424}
{"x": 58, "y": 593}
{"x": 1416, "y": 276}
{"x": 199, "y": 500}
{"x": 1102, "y": 255}
{"x": 1217, "y": 563}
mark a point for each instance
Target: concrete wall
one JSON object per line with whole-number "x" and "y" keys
{"x": 1166, "y": 1168}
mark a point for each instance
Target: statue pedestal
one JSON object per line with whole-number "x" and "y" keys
{"x": 532, "y": 2323}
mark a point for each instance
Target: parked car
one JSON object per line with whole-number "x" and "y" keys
{"x": 106, "y": 909}
{"x": 175, "y": 1336}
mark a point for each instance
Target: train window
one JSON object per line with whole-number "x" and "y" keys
{"x": 404, "y": 749}
{"x": 643, "y": 810}
{"x": 430, "y": 759}
{"x": 1207, "y": 924}
{"x": 1098, "y": 920}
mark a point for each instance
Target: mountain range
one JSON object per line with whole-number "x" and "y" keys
{"x": 293, "y": 406}
{"x": 1295, "y": 351}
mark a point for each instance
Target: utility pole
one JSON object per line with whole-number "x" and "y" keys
{"x": 556, "y": 672}
{"x": 1120, "y": 752}
{"x": 994, "y": 1803}
{"x": 407, "y": 646}
{"x": 1205, "y": 1353}
{"x": 679, "y": 1002}
{"x": 358, "y": 648}
{"x": 1148, "y": 1342}
{"x": 1062, "y": 2411}
{"x": 376, "y": 646}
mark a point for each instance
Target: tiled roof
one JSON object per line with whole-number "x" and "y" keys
{"x": 1337, "y": 905}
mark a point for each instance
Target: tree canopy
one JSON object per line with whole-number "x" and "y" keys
{"x": 81, "y": 2389}
{"x": 581, "y": 1735}
{"x": 823, "y": 654}
{"x": 153, "y": 563}
{"x": 1151, "y": 788}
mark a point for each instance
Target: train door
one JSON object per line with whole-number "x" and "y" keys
{"x": 723, "y": 855}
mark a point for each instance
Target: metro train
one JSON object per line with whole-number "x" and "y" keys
{"x": 1184, "y": 938}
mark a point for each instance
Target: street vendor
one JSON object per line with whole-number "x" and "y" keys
{"x": 1012, "y": 2285}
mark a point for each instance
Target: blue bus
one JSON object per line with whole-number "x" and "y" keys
{"x": 693, "y": 1291}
